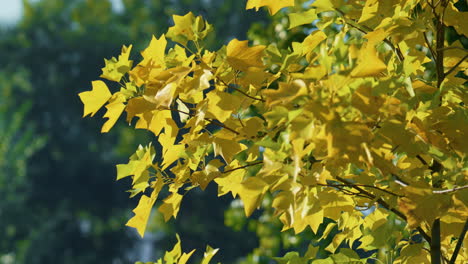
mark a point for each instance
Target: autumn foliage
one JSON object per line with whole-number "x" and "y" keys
{"x": 362, "y": 122}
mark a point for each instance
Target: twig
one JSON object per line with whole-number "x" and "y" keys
{"x": 387, "y": 41}
{"x": 242, "y": 167}
{"x": 387, "y": 206}
{"x": 429, "y": 46}
{"x": 450, "y": 190}
{"x": 242, "y": 92}
{"x": 456, "y": 65}
{"x": 421, "y": 159}
{"x": 459, "y": 243}
{"x": 458, "y": 48}
{"x": 362, "y": 185}
{"x": 213, "y": 121}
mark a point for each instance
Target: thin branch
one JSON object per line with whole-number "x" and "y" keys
{"x": 242, "y": 167}
{"x": 450, "y": 190}
{"x": 249, "y": 96}
{"x": 362, "y": 185}
{"x": 451, "y": 48}
{"x": 456, "y": 65}
{"x": 216, "y": 122}
{"x": 242, "y": 92}
{"x": 213, "y": 121}
{"x": 429, "y": 46}
{"x": 387, "y": 206}
{"x": 459, "y": 243}
{"x": 421, "y": 159}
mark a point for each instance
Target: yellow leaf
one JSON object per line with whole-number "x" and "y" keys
{"x": 273, "y": 5}
{"x": 221, "y": 105}
{"x": 421, "y": 205}
{"x": 155, "y": 52}
{"x": 168, "y": 138}
{"x": 230, "y": 181}
{"x": 456, "y": 19}
{"x": 251, "y": 192}
{"x": 297, "y": 19}
{"x": 114, "y": 110}
{"x": 171, "y": 257}
{"x": 286, "y": 92}
{"x": 172, "y": 154}
{"x": 171, "y": 206}
{"x": 93, "y": 100}
{"x": 182, "y": 30}
{"x": 115, "y": 69}
{"x": 369, "y": 63}
{"x": 241, "y": 57}
{"x": 185, "y": 257}
{"x": 143, "y": 209}
{"x": 227, "y": 148}
{"x": 312, "y": 41}
{"x": 208, "y": 255}
{"x": 323, "y": 5}
{"x": 370, "y": 10}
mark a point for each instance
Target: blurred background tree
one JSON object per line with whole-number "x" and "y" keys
{"x": 59, "y": 202}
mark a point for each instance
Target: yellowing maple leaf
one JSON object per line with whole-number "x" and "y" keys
{"x": 251, "y": 192}
{"x": 297, "y": 19}
{"x": 114, "y": 110}
{"x": 143, "y": 209}
{"x": 171, "y": 206}
{"x": 182, "y": 30}
{"x": 155, "y": 52}
{"x": 273, "y": 5}
{"x": 230, "y": 182}
{"x": 115, "y": 69}
{"x": 241, "y": 57}
{"x": 368, "y": 64}
{"x": 93, "y": 100}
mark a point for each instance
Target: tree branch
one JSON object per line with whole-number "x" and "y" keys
{"x": 242, "y": 167}
{"x": 387, "y": 41}
{"x": 362, "y": 185}
{"x": 212, "y": 121}
{"x": 459, "y": 243}
{"x": 386, "y": 206}
{"x": 456, "y": 65}
{"x": 429, "y": 46}
{"x": 436, "y": 254}
{"x": 450, "y": 190}
{"x": 242, "y": 92}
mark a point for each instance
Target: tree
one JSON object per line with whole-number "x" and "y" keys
{"x": 50, "y": 189}
{"x": 355, "y": 131}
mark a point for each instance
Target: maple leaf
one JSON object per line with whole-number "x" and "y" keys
{"x": 155, "y": 52}
{"x": 297, "y": 19}
{"x": 171, "y": 206}
{"x": 93, "y": 100}
{"x": 241, "y": 57}
{"x": 273, "y": 5}
{"x": 368, "y": 64}
{"x": 143, "y": 209}
{"x": 182, "y": 31}
{"x": 114, "y": 109}
{"x": 116, "y": 68}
